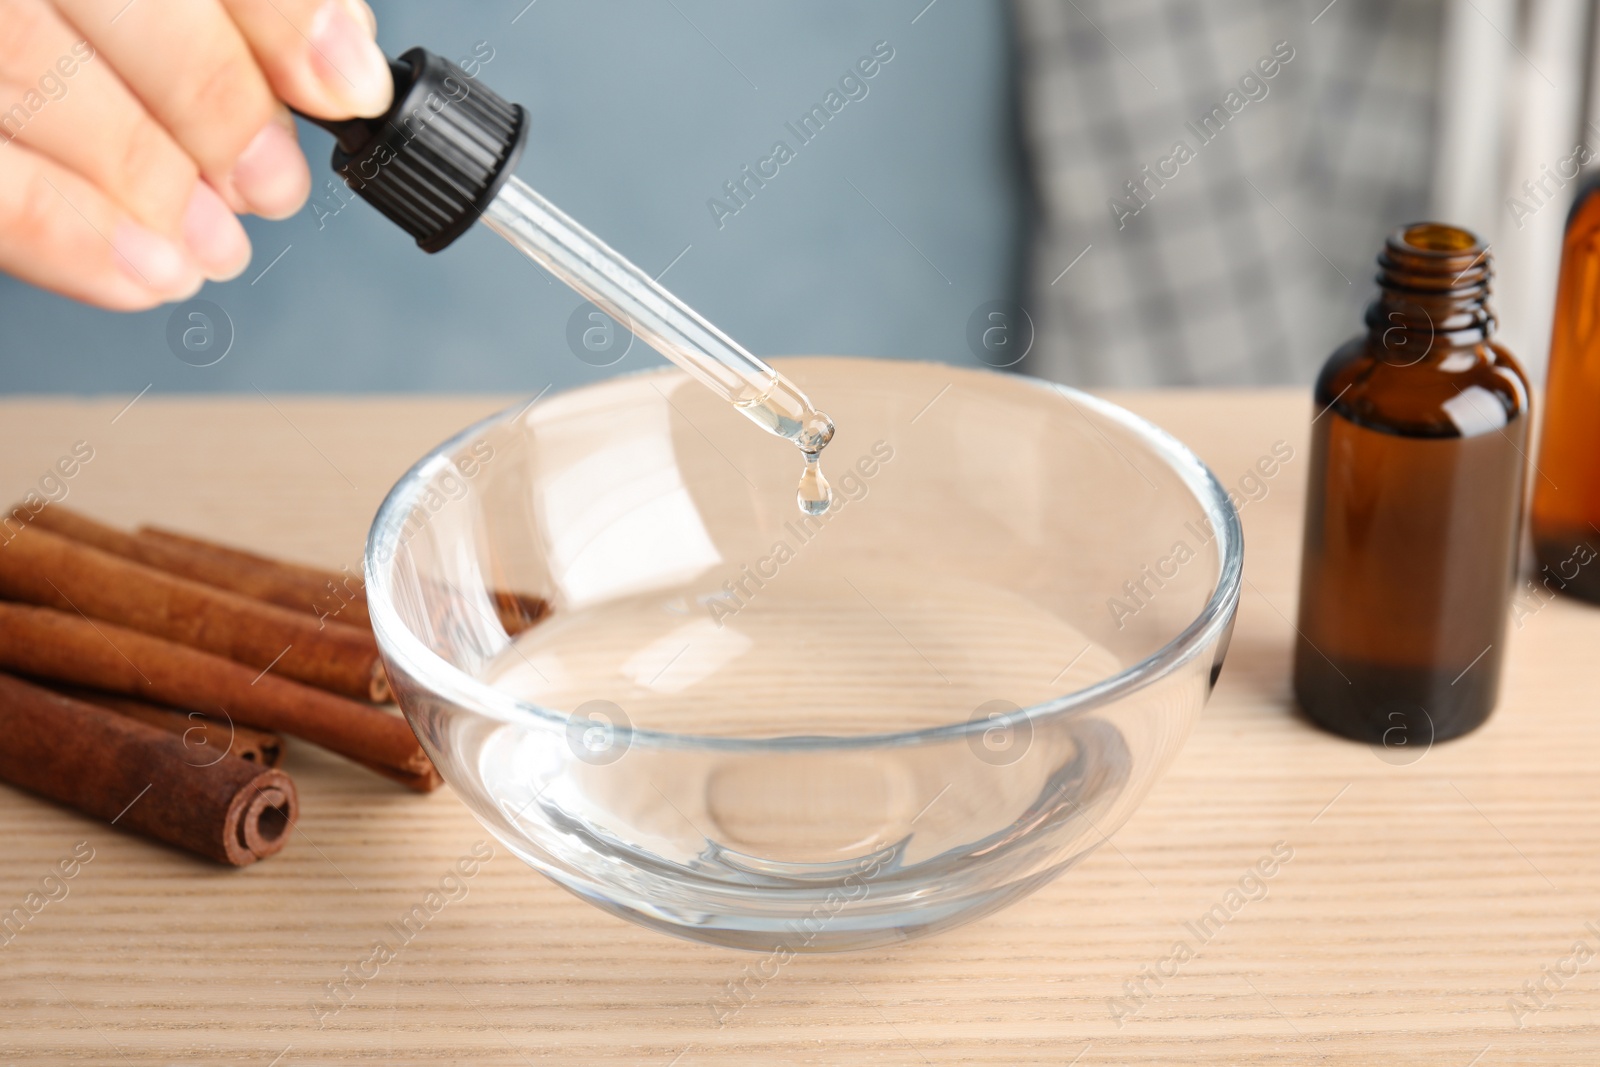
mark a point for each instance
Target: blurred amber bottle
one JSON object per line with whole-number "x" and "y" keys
{"x": 1414, "y": 504}
{"x": 1566, "y": 491}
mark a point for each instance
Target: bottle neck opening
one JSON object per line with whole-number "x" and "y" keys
{"x": 1434, "y": 283}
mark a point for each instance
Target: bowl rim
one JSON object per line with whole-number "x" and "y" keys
{"x": 446, "y": 681}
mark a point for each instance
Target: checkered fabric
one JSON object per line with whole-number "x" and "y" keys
{"x": 1214, "y": 178}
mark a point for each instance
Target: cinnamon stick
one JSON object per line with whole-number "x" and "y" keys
{"x": 425, "y": 781}
{"x": 67, "y": 647}
{"x": 79, "y": 527}
{"x": 140, "y": 778}
{"x": 331, "y": 596}
{"x": 42, "y": 567}
{"x": 518, "y": 611}
{"x": 206, "y": 737}
{"x": 326, "y": 594}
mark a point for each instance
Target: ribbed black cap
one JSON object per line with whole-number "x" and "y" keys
{"x": 434, "y": 162}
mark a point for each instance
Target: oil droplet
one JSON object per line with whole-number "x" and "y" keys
{"x": 814, "y": 493}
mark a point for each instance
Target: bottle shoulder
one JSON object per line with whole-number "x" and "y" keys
{"x": 1454, "y": 392}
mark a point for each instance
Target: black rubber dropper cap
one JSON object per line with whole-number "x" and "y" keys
{"x": 436, "y": 159}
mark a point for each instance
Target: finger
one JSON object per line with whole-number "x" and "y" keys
{"x": 364, "y": 13}
{"x": 63, "y": 101}
{"x": 319, "y": 56}
{"x": 87, "y": 121}
{"x": 204, "y": 87}
{"x": 61, "y": 233}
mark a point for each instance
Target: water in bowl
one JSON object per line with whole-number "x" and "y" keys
{"x": 814, "y": 653}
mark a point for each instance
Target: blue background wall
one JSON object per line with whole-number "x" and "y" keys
{"x": 640, "y": 111}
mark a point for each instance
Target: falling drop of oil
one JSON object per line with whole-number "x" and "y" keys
{"x": 814, "y": 494}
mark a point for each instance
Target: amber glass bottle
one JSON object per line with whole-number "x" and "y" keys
{"x": 1414, "y": 504}
{"x": 1566, "y": 487}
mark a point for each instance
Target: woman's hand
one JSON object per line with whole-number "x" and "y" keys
{"x": 133, "y": 131}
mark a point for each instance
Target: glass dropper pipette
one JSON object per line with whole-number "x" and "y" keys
{"x": 442, "y": 157}
{"x": 618, "y": 287}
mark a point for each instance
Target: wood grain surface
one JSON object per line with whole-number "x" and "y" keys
{"x": 1419, "y": 899}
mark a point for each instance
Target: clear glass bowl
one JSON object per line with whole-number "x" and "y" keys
{"x": 747, "y": 727}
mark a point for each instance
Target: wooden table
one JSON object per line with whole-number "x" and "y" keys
{"x": 1420, "y": 898}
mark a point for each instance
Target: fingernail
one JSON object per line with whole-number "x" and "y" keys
{"x": 152, "y": 261}
{"x": 214, "y": 235}
{"x": 348, "y": 60}
{"x": 363, "y": 13}
{"x": 271, "y": 174}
